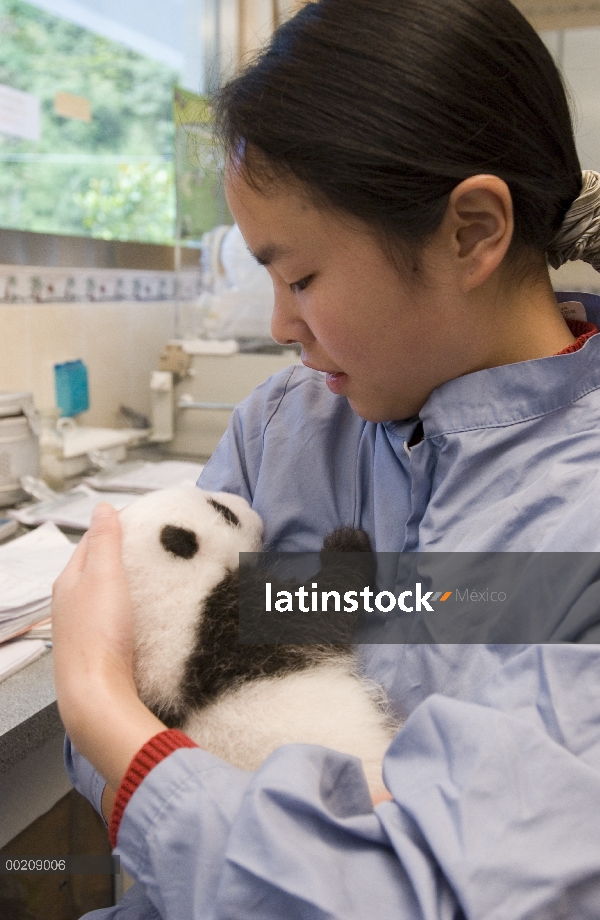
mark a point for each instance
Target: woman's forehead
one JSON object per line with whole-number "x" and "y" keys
{"x": 272, "y": 226}
{"x": 281, "y": 217}
{"x": 265, "y": 192}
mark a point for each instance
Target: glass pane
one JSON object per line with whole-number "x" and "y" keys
{"x": 110, "y": 177}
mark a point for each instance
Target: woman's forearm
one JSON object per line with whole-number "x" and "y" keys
{"x": 108, "y": 724}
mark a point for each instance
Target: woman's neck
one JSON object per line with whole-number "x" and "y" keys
{"x": 526, "y": 323}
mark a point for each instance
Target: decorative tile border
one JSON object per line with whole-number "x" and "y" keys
{"x": 33, "y": 284}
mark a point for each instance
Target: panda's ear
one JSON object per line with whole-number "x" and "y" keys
{"x": 179, "y": 541}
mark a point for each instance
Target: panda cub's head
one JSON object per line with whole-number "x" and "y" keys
{"x": 178, "y": 545}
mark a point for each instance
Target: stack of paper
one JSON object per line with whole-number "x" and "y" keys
{"x": 41, "y": 630}
{"x": 147, "y": 477}
{"x": 74, "y": 509}
{"x": 15, "y": 655}
{"x": 29, "y": 566}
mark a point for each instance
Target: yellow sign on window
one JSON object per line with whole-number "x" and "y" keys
{"x": 70, "y": 106}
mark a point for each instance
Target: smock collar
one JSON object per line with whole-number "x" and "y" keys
{"x": 512, "y": 393}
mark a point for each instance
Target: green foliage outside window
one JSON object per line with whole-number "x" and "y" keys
{"x": 138, "y": 199}
{"x": 199, "y": 168}
{"x": 110, "y": 178}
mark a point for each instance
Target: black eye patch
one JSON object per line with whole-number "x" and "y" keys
{"x": 179, "y": 542}
{"x": 226, "y": 512}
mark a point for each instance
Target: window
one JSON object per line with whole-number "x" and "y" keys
{"x": 103, "y": 164}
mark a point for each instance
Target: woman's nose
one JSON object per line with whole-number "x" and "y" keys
{"x": 287, "y": 326}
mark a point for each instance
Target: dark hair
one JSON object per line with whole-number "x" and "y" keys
{"x": 382, "y": 107}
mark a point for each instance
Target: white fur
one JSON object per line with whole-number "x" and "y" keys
{"x": 327, "y": 704}
{"x": 324, "y": 705}
{"x": 167, "y": 591}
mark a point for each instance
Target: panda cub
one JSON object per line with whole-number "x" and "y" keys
{"x": 240, "y": 702}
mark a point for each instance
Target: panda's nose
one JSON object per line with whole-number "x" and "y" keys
{"x": 179, "y": 541}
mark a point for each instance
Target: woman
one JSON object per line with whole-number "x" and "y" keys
{"x": 402, "y": 169}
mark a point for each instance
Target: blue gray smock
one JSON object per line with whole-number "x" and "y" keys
{"x": 496, "y": 773}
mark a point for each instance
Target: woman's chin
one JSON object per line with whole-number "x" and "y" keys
{"x": 372, "y": 410}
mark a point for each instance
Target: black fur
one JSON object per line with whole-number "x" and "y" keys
{"x": 349, "y": 540}
{"x": 226, "y": 512}
{"x": 219, "y": 662}
{"x": 179, "y": 541}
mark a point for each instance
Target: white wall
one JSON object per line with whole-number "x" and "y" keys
{"x": 577, "y": 53}
{"x": 120, "y": 343}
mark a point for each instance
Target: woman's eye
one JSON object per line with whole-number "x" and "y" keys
{"x": 301, "y": 285}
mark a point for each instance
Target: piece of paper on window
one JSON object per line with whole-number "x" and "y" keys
{"x": 19, "y": 113}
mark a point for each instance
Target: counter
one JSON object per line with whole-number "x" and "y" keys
{"x": 32, "y": 775}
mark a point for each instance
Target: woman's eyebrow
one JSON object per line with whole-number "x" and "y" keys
{"x": 269, "y": 253}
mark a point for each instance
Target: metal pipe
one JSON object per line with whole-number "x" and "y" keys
{"x": 191, "y": 404}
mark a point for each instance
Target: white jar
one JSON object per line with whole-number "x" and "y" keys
{"x": 52, "y": 460}
{"x": 19, "y": 445}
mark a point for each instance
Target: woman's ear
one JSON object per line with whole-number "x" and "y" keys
{"x": 479, "y": 218}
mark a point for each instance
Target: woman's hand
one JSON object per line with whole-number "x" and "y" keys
{"x": 92, "y": 621}
{"x": 384, "y": 796}
{"x": 92, "y": 632}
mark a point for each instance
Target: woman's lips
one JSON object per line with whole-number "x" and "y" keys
{"x": 335, "y": 380}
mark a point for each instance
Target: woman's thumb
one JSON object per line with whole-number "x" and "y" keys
{"x": 104, "y": 538}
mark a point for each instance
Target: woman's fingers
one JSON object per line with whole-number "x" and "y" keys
{"x": 91, "y": 606}
{"x": 98, "y": 552}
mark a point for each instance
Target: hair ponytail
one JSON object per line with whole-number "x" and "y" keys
{"x": 579, "y": 235}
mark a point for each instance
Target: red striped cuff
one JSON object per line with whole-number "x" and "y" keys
{"x": 582, "y": 332}
{"x": 155, "y": 750}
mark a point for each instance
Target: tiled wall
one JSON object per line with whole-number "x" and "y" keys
{"x": 120, "y": 343}
{"x": 43, "y": 284}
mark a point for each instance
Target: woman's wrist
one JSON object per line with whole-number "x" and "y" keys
{"x": 107, "y": 722}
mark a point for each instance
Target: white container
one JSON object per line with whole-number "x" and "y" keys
{"x": 213, "y": 382}
{"x": 19, "y": 445}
